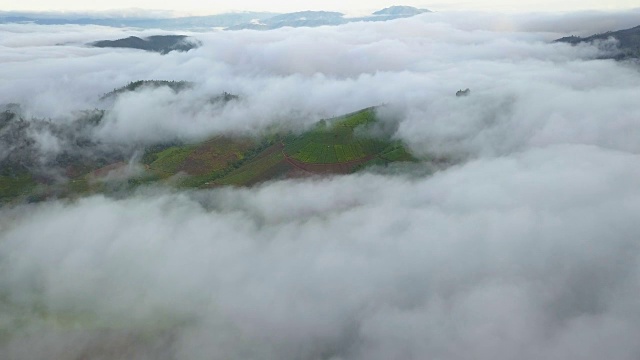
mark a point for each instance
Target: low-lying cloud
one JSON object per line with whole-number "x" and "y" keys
{"x": 533, "y": 256}
{"x": 525, "y": 247}
{"x": 298, "y": 76}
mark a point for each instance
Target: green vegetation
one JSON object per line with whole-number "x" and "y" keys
{"x": 162, "y": 44}
{"x": 176, "y": 86}
{"x": 337, "y": 141}
{"x": 168, "y": 161}
{"x": 21, "y": 317}
{"x": 16, "y": 186}
{"x": 335, "y": 145}
{"x": 395, "y": 152}
{"x": 340, "y": 145}
{"x": 269, "y": 165}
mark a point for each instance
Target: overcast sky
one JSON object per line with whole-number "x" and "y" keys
{"x": 351, "y": 7}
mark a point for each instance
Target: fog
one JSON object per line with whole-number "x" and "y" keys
{"x": 524, "y": 246}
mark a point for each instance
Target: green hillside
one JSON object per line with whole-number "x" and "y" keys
{"x": 334, "y": 146}
{"x": 338, "y": 145}
{"x": 15, "y": 185}
{"x": 176, "y": 86}
{"x": 335, "y": 142}
{"x": 343, "y": 145}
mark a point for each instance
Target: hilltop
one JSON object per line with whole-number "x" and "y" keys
{"x": 341, "y": 145}
{"x": 627, "y": 42}
{"x": 403, "y": 11}
{"x": 176, "y": 86}
{"x": 162, "y": 44}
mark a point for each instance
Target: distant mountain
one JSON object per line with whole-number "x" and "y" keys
{"x": 296, "y": 19}
{"x": 192, "y": 22}
{"x": 628, "y": 42}
{"x": 228, "y": 21}
{"x": 325, "y": 18}
{"x": 401, "y": 11}
{"x": 221, "y": 21}
{"x": 163, "y": 44}
{"x": 392, "y": 13}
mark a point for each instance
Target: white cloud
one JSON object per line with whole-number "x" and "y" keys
{"x": 524, "y": 248}
{"x": 532, "y": 254}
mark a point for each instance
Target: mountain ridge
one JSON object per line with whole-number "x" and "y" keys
{"x": 226, "y": 21}
{"x": 340, "y": 145}
{"x": 627, "y": 44}
{"x": 162, "y": 44}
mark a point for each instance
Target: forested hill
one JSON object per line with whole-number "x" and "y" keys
{"x": 85, "y": 166}
{"x": 628, "y": 42}
{"x": 176, "y": 86}
{"x": 162, "y": 44}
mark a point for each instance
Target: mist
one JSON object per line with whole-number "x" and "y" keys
{"x": 523, "y": 246}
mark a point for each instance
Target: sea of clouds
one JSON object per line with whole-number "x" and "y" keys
{"x": 525, "y": 246}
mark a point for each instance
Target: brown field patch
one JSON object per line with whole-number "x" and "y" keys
{"x": 215, "y": 154}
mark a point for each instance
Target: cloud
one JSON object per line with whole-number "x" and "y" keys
{"x": 524, "y": 246}
{"x": 580, "y": 23}
{"x": 533, "y": 255}
{"x": 294, "y": 77}
{"x": 287, "y": 75}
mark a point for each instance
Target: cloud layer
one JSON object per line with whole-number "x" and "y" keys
{"x": 533, "y": 256}
{"x": 525, "y": 247}
{"x": 297, "y": 76}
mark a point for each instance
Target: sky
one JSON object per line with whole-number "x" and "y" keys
{"x": 522, "y": 244}
{"x": 350, "y": 7}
